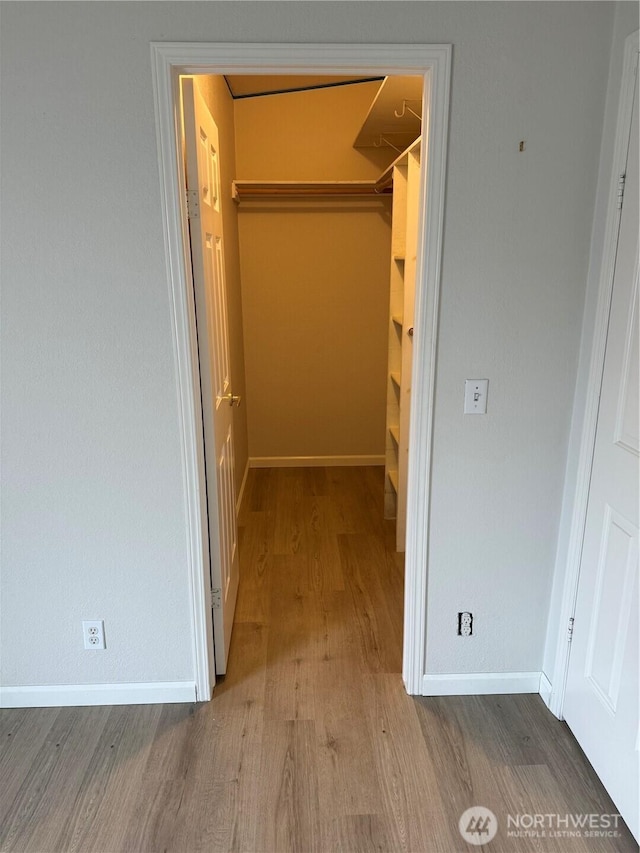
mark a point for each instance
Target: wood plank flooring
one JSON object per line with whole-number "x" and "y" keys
{"x": 310, "y": 742}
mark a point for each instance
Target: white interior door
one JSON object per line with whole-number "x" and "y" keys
{"x": 601, "y": 701}
{"x": 207, "y": 255}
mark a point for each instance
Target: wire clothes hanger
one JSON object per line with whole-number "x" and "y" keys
{"x": 406, "y": 109}
{"x": 382, "y": 141}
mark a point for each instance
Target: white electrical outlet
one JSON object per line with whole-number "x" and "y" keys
{"x": 465, "y": 624}
{"x": 93, "y": 633}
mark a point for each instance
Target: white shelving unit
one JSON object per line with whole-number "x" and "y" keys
{"x": 404, "y": 236}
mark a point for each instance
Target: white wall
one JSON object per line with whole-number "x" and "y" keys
{"x": 517, "y": 232}
{"x": 93, "y": 519}
{"x": 626, "y": 22}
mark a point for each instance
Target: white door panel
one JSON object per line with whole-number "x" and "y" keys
{"x": 601, "y": 701}
{"x": 608, "y": 626}
{"x": 207, "y": 250}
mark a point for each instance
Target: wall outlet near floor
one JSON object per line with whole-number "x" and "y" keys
{"x": 465, "y": 624}
{"x": 93, "y": 633}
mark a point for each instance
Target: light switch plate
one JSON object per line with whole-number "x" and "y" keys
{"x": 475, "y": 396}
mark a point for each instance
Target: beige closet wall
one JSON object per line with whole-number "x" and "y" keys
{"x": 220, "y": 103}
{"x": 314, "y": 279}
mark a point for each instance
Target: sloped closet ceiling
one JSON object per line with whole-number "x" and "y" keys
{"x": 252, "y": 85}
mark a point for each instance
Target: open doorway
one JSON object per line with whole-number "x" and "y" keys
{"x": 433, "y": 66}
{"x": 292, "y": 183}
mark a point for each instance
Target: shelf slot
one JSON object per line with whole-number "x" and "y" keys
{"x": 386, "y": 178}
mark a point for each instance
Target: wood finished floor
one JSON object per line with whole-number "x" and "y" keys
{"x": 310, "y": 742}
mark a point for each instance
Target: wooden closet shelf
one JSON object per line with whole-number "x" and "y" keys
{"x": 383, "y": 186}
{"x": 395, "y": 377}
{"x": 394, "y": 432}
{"x": 289, "y": 189}
{"x": 393, "y": 479}
{"x": 397, "y": 319}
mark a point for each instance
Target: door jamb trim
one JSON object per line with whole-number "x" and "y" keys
{"x": 433, "y": 62}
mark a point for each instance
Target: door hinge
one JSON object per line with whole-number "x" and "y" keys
{"x": 570, "y": 629}
{"x": 620, "y": 192}
{"x": 193, "y": 205}
{"x": 216, "y": 599}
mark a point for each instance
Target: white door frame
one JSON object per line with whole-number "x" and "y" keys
{"x": 596, "y": 368}
{"x": 433, "y": 62}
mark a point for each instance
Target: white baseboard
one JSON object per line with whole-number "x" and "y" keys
{"x": 242, "y": 485}
{"x": 480, "y": 683}
{"x": 59, "y": 695}
{"x": 545, "y": 689}
{"x": 313, "y": 461}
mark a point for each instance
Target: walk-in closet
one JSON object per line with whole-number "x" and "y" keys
{"x": 319, "y": 181}
{"x": 304, "y": 286}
